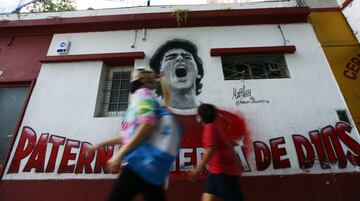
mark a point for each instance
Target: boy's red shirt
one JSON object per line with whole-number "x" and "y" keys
{"x": 224, "y": 160}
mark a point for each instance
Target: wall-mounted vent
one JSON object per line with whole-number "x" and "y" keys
{"x": 342, "y": 115}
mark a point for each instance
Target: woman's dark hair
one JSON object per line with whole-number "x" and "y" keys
{"x": 190, "y": 47}
{"x": 207, "y": 112}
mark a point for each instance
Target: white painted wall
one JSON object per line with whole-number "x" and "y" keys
{"x": 340, "y": 2}
{"x": 352, "y": 14}
{"x": 64, "y": 98}
{"x": 63, "y": 104}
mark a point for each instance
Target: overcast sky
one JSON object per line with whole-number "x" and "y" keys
{"x": 84, "y": 4}
{"x": 7, "y": 6}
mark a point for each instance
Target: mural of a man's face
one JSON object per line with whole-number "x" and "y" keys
{"x": 180, "y": 69}
{"x": 178, "y": 60}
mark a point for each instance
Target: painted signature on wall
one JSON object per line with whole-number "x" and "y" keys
{"x": 243, "y": 96}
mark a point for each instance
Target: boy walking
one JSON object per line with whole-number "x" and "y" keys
{"x": 224, "y": 170}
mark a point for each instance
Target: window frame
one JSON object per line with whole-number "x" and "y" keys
{"x": 30, "y": 85}
{"x": 107, "y": 87}
{"x": 248, "y": 63}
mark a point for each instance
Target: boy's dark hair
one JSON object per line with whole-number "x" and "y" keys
{"x": 207, "y": 112}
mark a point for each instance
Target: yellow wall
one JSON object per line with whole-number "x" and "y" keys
{"x": 343, "y": 53}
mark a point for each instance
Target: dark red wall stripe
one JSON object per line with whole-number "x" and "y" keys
{"x": 158, "y": 20}
{"x": 19, "y": 56}
{"x": 346, "y": 3}
{"x": 15, "y": 84}
{"x": 299, "y": 187}
{"x": 251, "y": 50}
{"x": 333, "y": 9}
{"x": 111, "y": 59}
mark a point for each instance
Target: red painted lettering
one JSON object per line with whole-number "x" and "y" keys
{"x": 37, "y": 157}
{"x": 330, "y": 140}
{"x": 316, "y": 140}
{"x": 342, "y": 130}
{"x": 84, "y": 160}
{"x": 305, "y": 160}
{"x": 56, "y": 141}
{"x": 67, "y": 155}
{"x": 23, "y": 149}
{"x": 262, "y": 155}
{"x": 103, "y": 154}
{"x": 278, "y": 152}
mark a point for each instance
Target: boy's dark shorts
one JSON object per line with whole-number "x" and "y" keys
{"x": 225, "y": 186}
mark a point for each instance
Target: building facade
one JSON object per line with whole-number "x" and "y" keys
{"x": 64, "y": 85}
{"x": 351, "y": 10}
{"x": 341, "y": 47}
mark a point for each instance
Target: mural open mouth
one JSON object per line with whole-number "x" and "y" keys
{"x": 180, "y": 72}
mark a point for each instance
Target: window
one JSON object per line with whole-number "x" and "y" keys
{"x": 342, "y": 115}
{"x": 258, "y": 66}
{"x": 116, "y": 92}
{"x": 11, "y": 103}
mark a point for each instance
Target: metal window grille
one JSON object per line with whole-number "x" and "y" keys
{"x": 264, "y": 66}
{"x": 117, "y": 92}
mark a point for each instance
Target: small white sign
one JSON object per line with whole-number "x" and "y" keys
{"x": 63, "y": 47}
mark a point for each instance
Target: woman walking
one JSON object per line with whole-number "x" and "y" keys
{"x": 150, "y": 139}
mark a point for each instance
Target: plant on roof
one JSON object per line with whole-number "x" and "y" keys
{"x": 181, "y": 15}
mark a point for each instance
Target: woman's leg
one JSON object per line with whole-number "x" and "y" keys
{"x": 208, "y": 197}
{"x": 126, "y": 187}
{"x": 153, "y": 192}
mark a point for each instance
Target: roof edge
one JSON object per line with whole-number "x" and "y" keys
{"x": 229, "y": 17}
